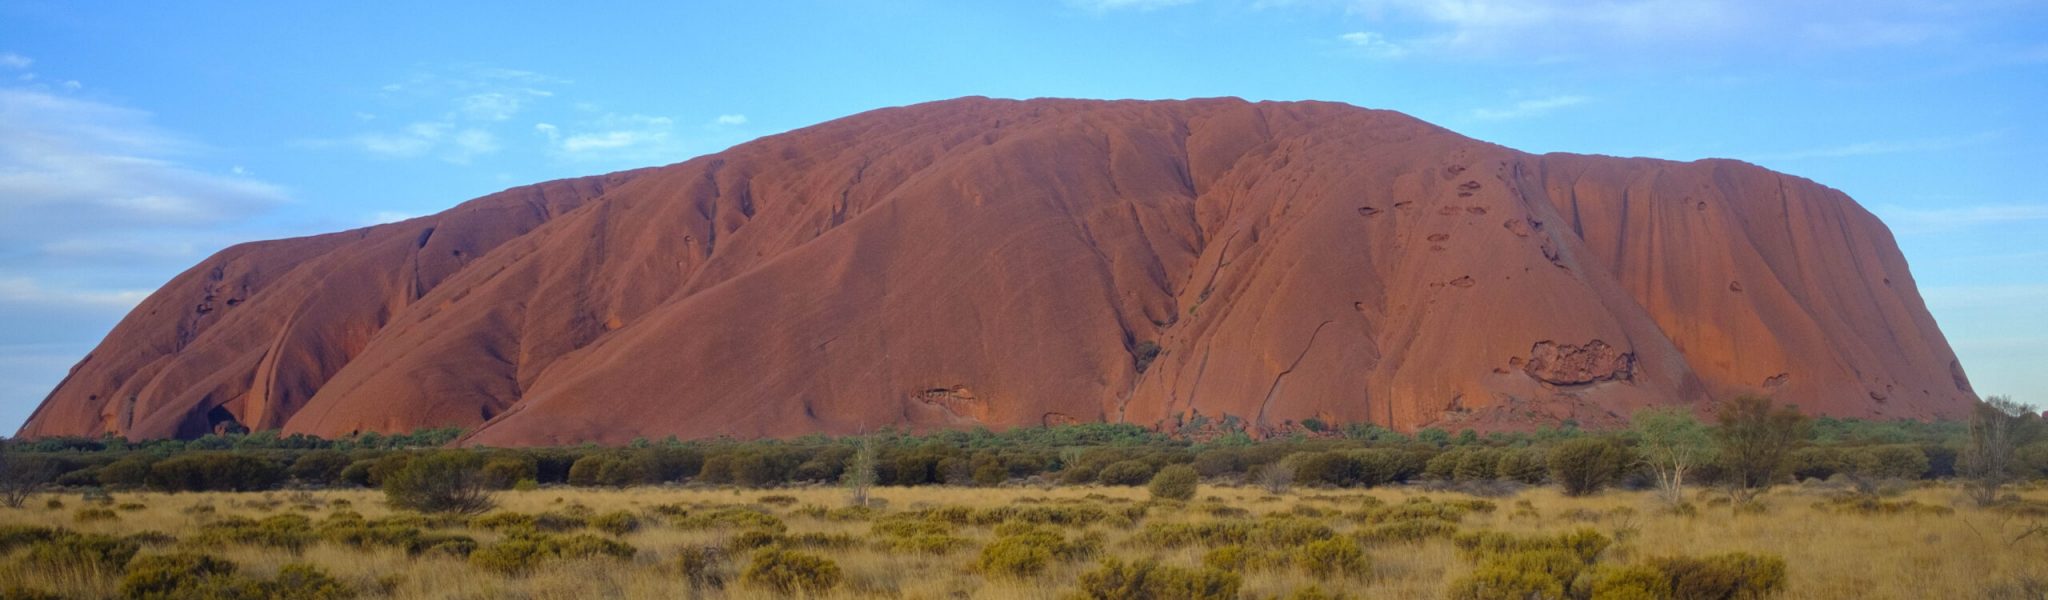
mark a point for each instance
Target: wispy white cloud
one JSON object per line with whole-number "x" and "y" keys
{"x": 1881, "y": 147}
{"x": 68, "y": 165}
{"x": 1907, "y": 220}
{"x": 1529, "y": 108}
{"x": 1607, "y": 30}
{"x": 1373, "y": 44}
{"x": 11, "y": 60}
{"x": 1110, "y": 5}
{"x": 617, "y": 138}
{"x": 465, "y": 106}
{"x": 389, "y": 216}
{"x": 25, "y": 291}
{"x": 731, "y": 120}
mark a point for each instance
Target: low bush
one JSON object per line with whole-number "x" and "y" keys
{"x": 616, "y": 522}
{"x": 521, "y": 553}
{"x": 1115, "y": 579}
{"x": 1175, "y": 482}
{"x": 1334, "y": 557}
{"x": 167, "y": 576}
{"x": 1023, "y": 550}
{"x": 439, "y": 482}
{"x": 81, "y": 550}
{"x": 1732, "y": 576}
{"x": 789, "y": 572}
{"x": 94, "y": 515}
{"x": 1584, "y": 465}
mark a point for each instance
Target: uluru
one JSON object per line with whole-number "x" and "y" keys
{"x": 1001, "y": 263}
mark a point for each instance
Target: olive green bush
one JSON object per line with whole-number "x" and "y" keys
{"x": 1175, "y": 482}
{"x": 1115, "y": 579}
{"x": 790, "y": 572}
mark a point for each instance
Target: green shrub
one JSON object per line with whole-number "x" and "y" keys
{"x": 1175, "y": 482}
{"x": 82, "y": 550}
{"x": 214, "y": 471}
{"x": 789, "y": 572}
{"x": 290, "y": 532}
{"x": 1585, "y": 465}
{"x": 1732, "y": 576}
{"x": 13, "y": 536}
{"x": 1635, "y": 582}
{"x": 1148, "y": 580}
{"x": 515, "y": 556}
{"x": 616, "y": 522}
{"x": 1332, "y": 557}
{"x": 319, "y": 466}
{"x": 300, "y": 581}
{"x": 1129, "y": 472}
{"x": 521, "y": 553}
{"x": 1014, "y": 557}
{"x": 1494, "y": 581}
{"x": 439, "y": 482}
{"x": 168, "y": 576}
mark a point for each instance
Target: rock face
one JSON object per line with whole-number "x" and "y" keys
{"x": 1002, "y": 263}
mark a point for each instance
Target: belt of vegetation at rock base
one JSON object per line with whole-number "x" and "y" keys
{"x": 1862, "y": 452}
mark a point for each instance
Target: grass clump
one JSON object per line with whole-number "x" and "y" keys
{"x": 95, "y": 515}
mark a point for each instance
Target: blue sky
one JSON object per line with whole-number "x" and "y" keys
{"x": 137, "y": 138}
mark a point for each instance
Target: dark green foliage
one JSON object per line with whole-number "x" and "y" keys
{"x": 129, "y": 472}
{"x": 1115, "y": 579}
{"x": 439, "y": 482}
{"x": 319, "y": 467}
{"x": 1175, "y": 482}
{"x": 612, "y": 470}
{"x": 214, "y": 471}
{"x": 1585, "y": 465}
{"x": 1129, "y": 472}
{"x": 1755, "y": 441}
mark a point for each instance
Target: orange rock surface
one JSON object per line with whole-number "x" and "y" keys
{"x": 1003, "y": 263}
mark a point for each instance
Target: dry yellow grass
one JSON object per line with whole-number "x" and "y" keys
{"x": 1970, "y": 553}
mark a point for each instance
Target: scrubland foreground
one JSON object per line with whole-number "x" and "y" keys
{"x": 1804, "y": 541}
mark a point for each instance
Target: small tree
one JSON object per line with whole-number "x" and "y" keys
{"x": 1987, "y": 461}
{"x": 1584, "y": 465}
{"x": 21, "y": 475}
{"x": 449, "y": 481}
{"x": 1673, "y": 443}
{"x": 1755, "y": 442}
{"x": 1175, "y": 482}
{"x": 860, "y": 472}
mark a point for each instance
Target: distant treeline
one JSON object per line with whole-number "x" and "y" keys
{"x": 1111, "y": 454}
